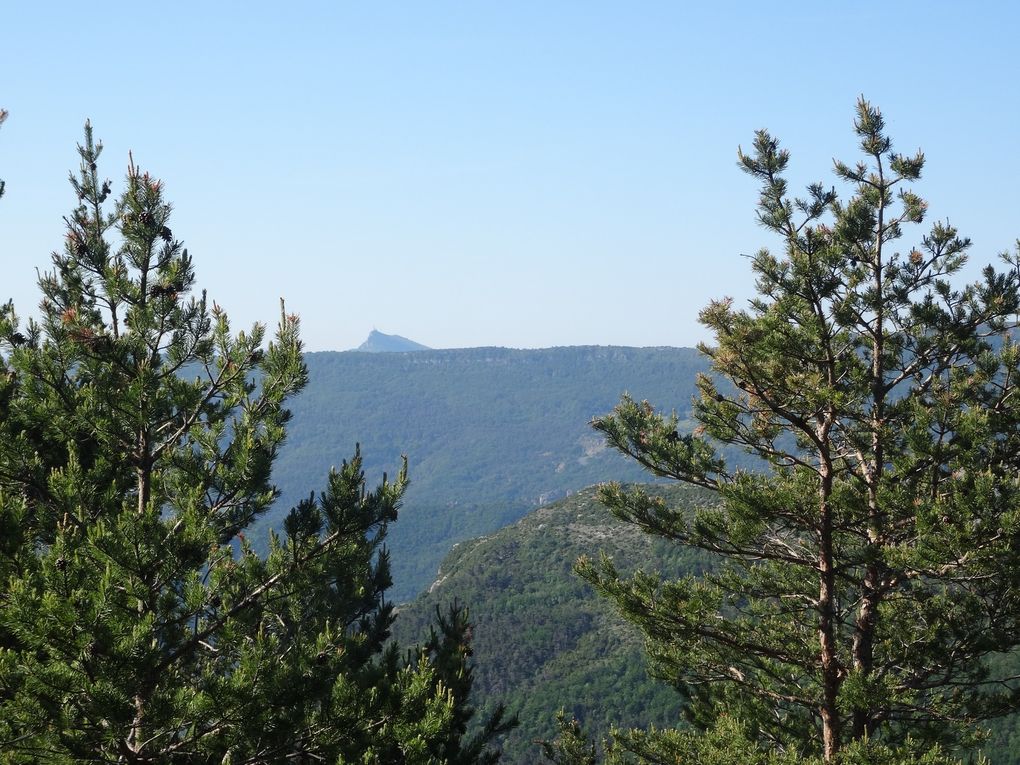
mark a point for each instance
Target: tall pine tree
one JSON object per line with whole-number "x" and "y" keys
{"x": 137, "y": 435}
{"x": 871, "y": 568}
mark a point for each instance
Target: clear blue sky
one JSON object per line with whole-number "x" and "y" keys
{"x": 524, "y": 174}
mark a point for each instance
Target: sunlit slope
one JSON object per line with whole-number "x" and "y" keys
{"x": 490, "y": 433}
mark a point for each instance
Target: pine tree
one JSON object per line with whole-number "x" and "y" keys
{"x": 870, "y": 569}
{"x": 137, "y": 435}
{"x": 449, "y": 650}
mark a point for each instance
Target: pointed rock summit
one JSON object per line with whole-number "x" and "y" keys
{"x": 378, "y": 342}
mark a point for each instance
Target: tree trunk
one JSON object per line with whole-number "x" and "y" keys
{"x": 826, "y": 623}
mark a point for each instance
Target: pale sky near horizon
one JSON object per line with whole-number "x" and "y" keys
{"x": 522, "y": 174}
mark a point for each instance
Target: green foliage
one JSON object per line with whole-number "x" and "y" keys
{"x": 541, "y": 636}
{"x": 448, "y": 649}
{"x": 725, "y": 743}
{"x": 872, "y": 572}
{"x": 3, "y": 116}
{"x": 137, "y": 435}
{"x": 492, "y": 433}
{"x": 572, "y": 746}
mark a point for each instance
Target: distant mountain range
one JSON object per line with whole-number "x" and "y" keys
{"x": 490, "y": 433}
{"x": 377, "y": 342}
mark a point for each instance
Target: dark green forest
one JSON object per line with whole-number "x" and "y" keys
{"x": 542, "y": 640}
{"x": 138, "y": 624}
{"x": 820, "y": 565}
{"x": 490, "y": 433}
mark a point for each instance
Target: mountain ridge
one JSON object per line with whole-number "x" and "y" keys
{"x": 380, "y": 342}
{"x": 490, "y": 433}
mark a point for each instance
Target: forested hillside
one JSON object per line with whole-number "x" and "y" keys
{"x": 542, "y": 639}
{"x": 491, "y": 433}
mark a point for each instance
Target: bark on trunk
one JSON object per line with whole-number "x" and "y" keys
{"x": 826, "y": 624}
